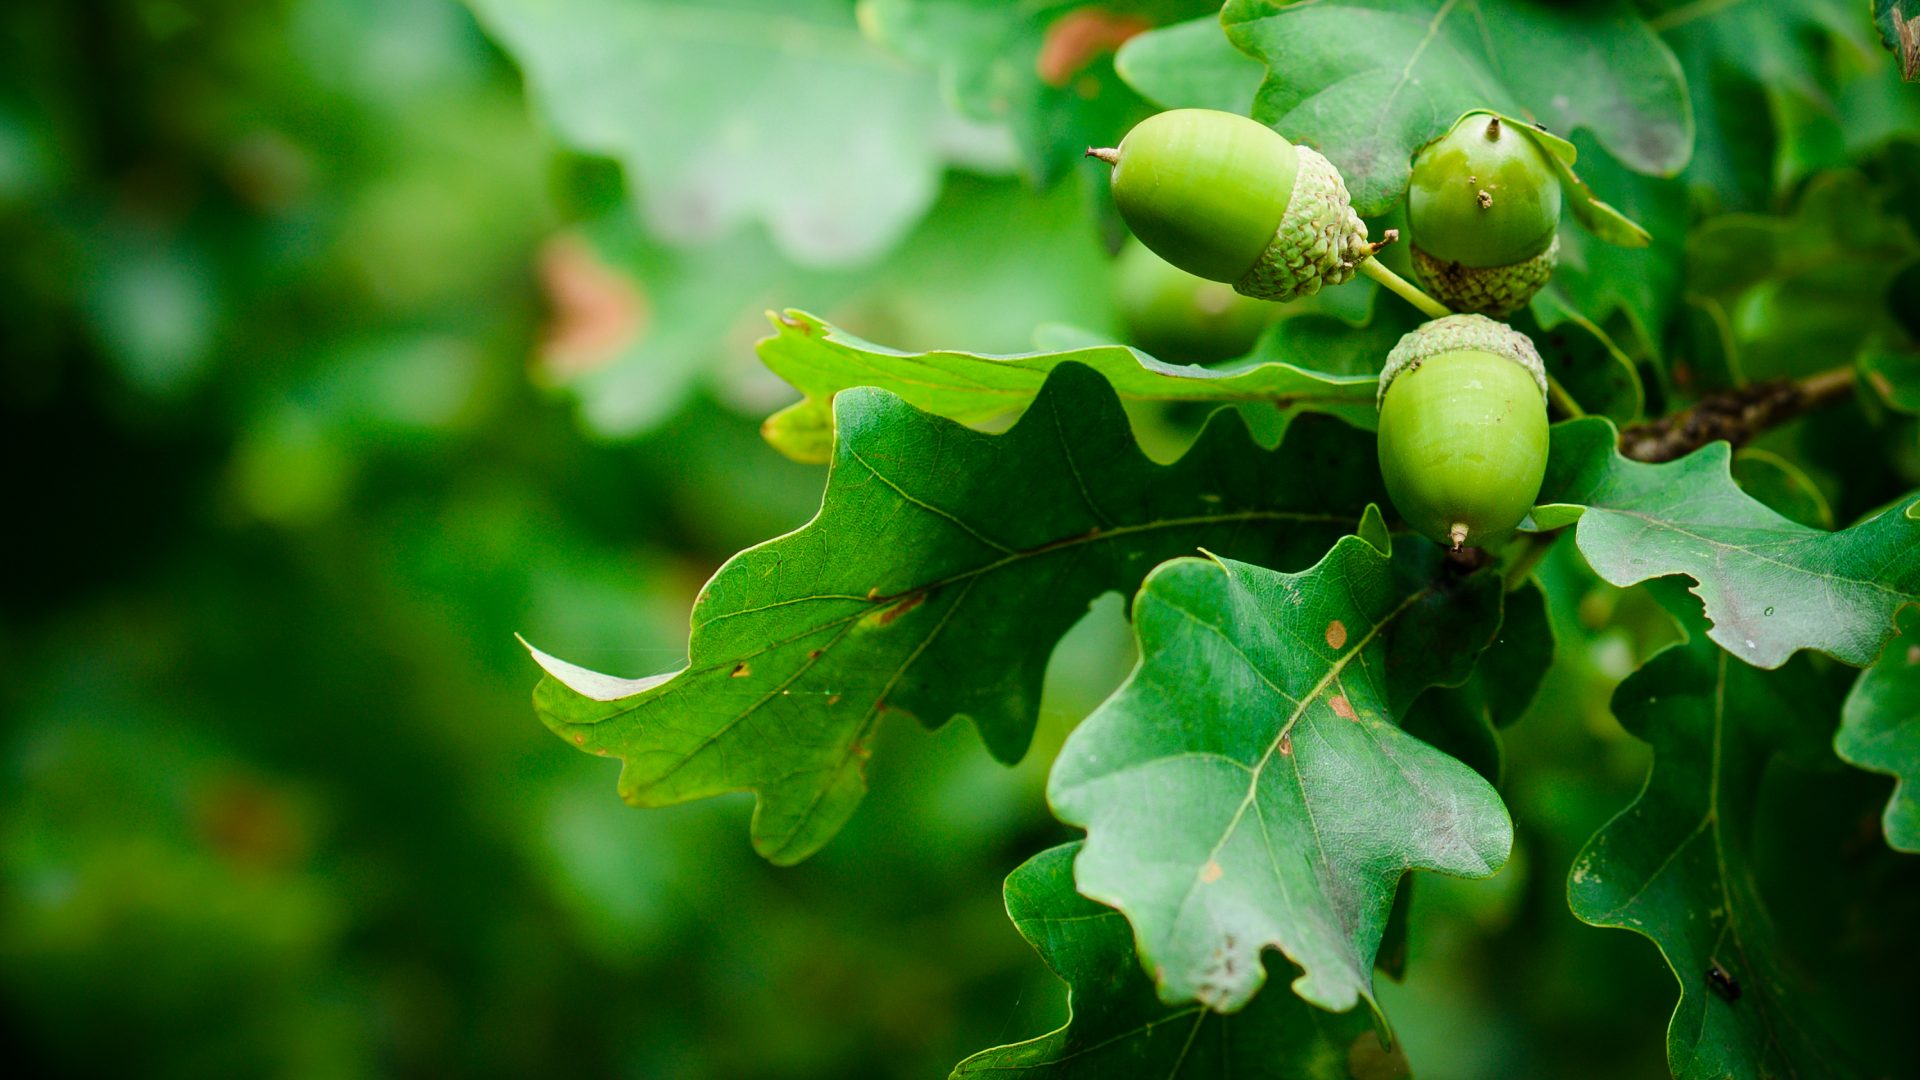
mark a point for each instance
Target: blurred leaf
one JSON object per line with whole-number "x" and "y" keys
{"x": 1782, "y": 487}
{"x": 775, "y": 111}
{"x": 1248, "y": 787}
{"x": 1465, "y": 720}
{"x": 1118, "y": 1027}
{"x": 1191, "y": 65}
{"x": 822, "y": 361}
{"x": 1675, "y": 866}
{"x": 1771, "y": 586}
{"x": 1583, "y": 358}
{"x": 1793, "y": 284}
{"x": 943, "y": 566}
{"x": 1880, "y": 730}
{"x": 1367, "y": 83}
{"x": 1039, "y": 68}
{"x": 1894, "y": 374}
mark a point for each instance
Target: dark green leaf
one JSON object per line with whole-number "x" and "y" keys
{"x": 1782, "y": 487}
{"x": 1465, "y": 720}
{"x": 1368, "y": 81}
{"x": 1248, "y": 786}
{"x": 942, "y": 568}
{"x": 1676, "y": 865}
{"x": 1118, "y": 1027}
{"x": 822, "y": 361}
{"x": 1880, "y": 730}
{"x": 1771, "y": 586}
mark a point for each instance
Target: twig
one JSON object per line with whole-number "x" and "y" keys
{"x": 1736, "y": 415}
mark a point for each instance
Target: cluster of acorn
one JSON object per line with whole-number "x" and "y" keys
{"x": 1463, "y": 418}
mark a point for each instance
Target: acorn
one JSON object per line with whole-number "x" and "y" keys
{"x": 1183, "y": 318}
{"x": 1463, "y": 429}
{"x": 1484, "y": 213}
{"x": 1228, "y": 199}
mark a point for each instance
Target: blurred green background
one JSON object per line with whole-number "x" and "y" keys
{"x": 324, "y": 370}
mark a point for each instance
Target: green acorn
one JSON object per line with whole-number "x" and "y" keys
{"x": 1484, "y": 213}
{"x": 1463, "y": 429}
{"x": 1228, "y": 199}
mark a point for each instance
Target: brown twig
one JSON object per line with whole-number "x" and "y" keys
{"x": 1734, "y": 415}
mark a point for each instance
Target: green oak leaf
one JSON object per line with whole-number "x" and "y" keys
{"x": 1248, "y": 787}
{"x": 1880, "y": 731}
{"x": 942, "y": 568}
{"x": 820, "y": 361}
{"x": 1597, "y": 279}
{"x": 726, "y": 115}
{"x": 1117, "y": 1027}
{"x": 1190, "y": 65}
{"x": 1465, "y": 720}
{"x": 1040, "y": 68}
{"x": 1368, "y": 81}
{"x": 1582, "y": 357}
{"x": 1675, "y": 866}
{"x": 1894, "y": 374}
{"x": 1771, "y": 586}
{"x": 1783, "y": 486}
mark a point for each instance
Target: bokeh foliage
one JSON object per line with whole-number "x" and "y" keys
{"x": 343, "y": 339}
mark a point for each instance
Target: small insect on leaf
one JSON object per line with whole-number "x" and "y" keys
{"x": 1723, "y": 984}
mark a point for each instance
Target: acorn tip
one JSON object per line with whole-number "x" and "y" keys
{"x": 1104, "y": 153}
{"x": 1457, "y": 534}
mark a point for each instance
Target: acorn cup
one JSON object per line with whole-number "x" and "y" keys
{"x": 1483, "y": 211}
{"x": 1463, "y": 429}
{"x": 1229, "y": 199}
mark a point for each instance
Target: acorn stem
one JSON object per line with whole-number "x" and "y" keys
{"x": 1563, "y": 400}
{"x": 1457, "y": 534}
{"x": 1105, "y": 153}
{"x": 1404, "y": 289}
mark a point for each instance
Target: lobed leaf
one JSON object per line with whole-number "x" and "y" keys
{"x": 1771, "y": 586}
{"x": 1675, "y": 866}
{"x": 821, "y": 361}
{"x": 1190, "y": 65}
{"x": 1118, "y": 1027}
{"x": 1367, "y": 82}
{"x": 942, "y": 568}
{"x": 1880, "y": 731}
{"x": 714, "y": 114}
{"x": 1248, "y": 786}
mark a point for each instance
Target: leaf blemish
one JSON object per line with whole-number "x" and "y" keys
{"x": 1210, "y": 873}
{"x": 901, "y": 608}
{"x": 1342, "y": 709}
{"x": 1336, "y": 634}
{"x": 741, "y": 670}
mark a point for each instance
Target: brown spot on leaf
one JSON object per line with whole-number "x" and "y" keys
{"x": 813, "y": 654}
{"x": 914, "y": 600}
{"x": 594, "y": 312}
{"x": 834, "y": 700}
{"x": 1078, "y": 38}
{"x": 579, "y": 740}
{"x": 1210, "y": 873}
{"x": 1336, "y": 634}
{"x": 741, "y": 670}
{"x": 1913, "y": 655}
{"x": 1286, "y": 745}
{"x": 1341, "y": 708}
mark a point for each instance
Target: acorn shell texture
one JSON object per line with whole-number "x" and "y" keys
{"x": 1205, "y": 190}
{"x": 1320, "y": 240}
{"x": 1463, "y": 429}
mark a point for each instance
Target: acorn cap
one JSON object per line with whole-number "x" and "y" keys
{"x": 1319, "y": 241}
{"x": 1495, "y": 290}
{"x": 1461, "y": 333}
